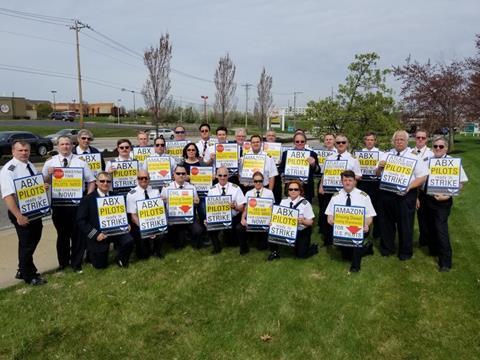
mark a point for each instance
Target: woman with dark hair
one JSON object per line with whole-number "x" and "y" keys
{"x": 191, "y": 157}
{"x": 295, "y": 200}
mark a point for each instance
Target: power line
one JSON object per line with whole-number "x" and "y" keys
{"x": 57, "y": 18}
{"x": 35, "y": 19}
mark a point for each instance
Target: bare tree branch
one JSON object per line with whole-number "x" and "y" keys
{"x": 226, "y": 86}
{"x": 264, "y": 100}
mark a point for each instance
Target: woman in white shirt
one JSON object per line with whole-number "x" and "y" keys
{"x": 295, "y": 200}
{"x": 261, "y": 237}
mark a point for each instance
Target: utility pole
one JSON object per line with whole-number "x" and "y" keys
{"x": 295, "y": 109}
{"x": 118, "y": 111}
{"x": 205, "y": 97}
{"x": 77, "y": 27}
{"x": 53, "y": 93}
{"x": 134, "y": 110}
{"x": 247, "y": 87}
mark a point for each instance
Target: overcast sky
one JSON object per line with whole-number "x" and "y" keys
{"x": 305, "y": 45}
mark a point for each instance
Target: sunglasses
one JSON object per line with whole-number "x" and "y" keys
{"x": 299, "y": 141}
{"x": 293, "y": 189}
{"x": 179, "y": 132}
{"x": 104, "y": 181}
{"x": 86, "y": 138}
{"x": 204, "y": 130}
{"x": 124, "y": 147}
{"x": 221, "y": 175}
{"x": 340, "y": 142}
{"x": 258, "y": 181}
{"x": 159, "y": 145}
{"x": 179, "y": 174}
{"x": 191, "y": 150}
{"x": 438, "y": 146}
{"x": 142, "y": 178}
{"x": 421, "y": 137}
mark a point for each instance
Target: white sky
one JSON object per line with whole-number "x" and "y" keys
{"x": 305, "y": 45}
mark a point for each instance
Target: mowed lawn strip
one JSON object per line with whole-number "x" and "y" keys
{"x": 192, "y": 305}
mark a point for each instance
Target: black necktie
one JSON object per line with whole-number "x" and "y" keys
{"x": 146, "y": 195}
{"x": 349, "y": 201}
{"x": 29, "y": 168}
{"x": 418, "y": 151}
{"x": 339, "y": 156}
{"x": 65, "y": 162}
{"x": 398, "y": 153}
{"x": 258, "y": 193}
{"x": 223, "y": 191}
{"x": 291, "y": 204}
{"x": 85, "y": 152}
{"x": 204, "y": 146}
{"x": 180, "y": 187}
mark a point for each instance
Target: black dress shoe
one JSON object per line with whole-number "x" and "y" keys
{"x": 404, "y": 257}
{"x": 354, "y": 269}
{"x": 18, "y": 275}
{"x": 122, "y": 264}
{"x": 273, "y": 255}
{"x": 444, "y": 269}
{"x": 37, "y": 281}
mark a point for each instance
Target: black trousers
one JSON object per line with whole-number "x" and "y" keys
{"x": 436, "y": 234}
{"x": 398, "y": 214}
{"x": 243, "y": 236}
{"x": 372, "y": 189}
{"x": 71, "y": 243}
{"x": 278, "y": 189}
{"x": 303, "y": 248}
{"x": 28, "y": 239}
{"x": 324, "y": 227}
{"x": 422, "y": 218}
{"x": 178, "y": 234}
{"x": 230, "y": 236}
{"x": 123, "y": 244}
{"x": 144, "y": 248}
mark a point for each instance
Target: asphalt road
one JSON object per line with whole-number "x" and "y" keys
{"x": 67, "y": 124}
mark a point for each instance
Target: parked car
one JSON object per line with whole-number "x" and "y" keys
{"x": 64, "y": 115}
{"x": 72, "y": 133}
{"x": 39, "y": 145}
{"x": 167, "y": 134}
{"x": 56, "y": 115}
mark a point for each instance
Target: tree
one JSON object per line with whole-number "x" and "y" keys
{"x": 43, "y": 110}
{"x": 264, "y": 99}
{"x": 363, "y": 103}
{"x": 156, "y": 87}
{"x": 226, "y": 86}
{"x": 473, "y": 68}
{"x": 437, "y": 93}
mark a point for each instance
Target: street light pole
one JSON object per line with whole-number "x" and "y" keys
{"x": 205, "y": 97}
{"x": 53, "y": 93}
{"x": 118, "y": 110}
{"x": 134, "y": 110}
{"x": 295, "y": 108}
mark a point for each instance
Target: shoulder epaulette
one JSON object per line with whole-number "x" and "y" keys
{"x": 337, "y": 193}
{"x": 304, "y": 202}
{"x": 235, "y": 185}
{"x": 11, "y": 167}
{"x": 363, "y": 193}
{"x": 133, "y": 191}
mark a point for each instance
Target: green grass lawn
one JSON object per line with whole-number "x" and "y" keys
{"x": 192, "y": 305}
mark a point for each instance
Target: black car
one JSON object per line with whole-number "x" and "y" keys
{"x": 56, "y": 115}
{"x": 39, "y": 145}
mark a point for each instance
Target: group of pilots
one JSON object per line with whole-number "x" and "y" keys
{"x": 388, "y": 210}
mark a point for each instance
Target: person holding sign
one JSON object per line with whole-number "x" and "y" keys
{"x": 159, "y": 147}
{"x": 424, "y": 154}
{"x": 143, "y": 191}
{"x": 269, "y": 169}
{"x": 124, "y": 147}
{"x": 29, "y": 231}
{"x": 295, "y": 200}
{"x": 401, "y": 176}
{"x": 123, "y": 168}
{"x": 350, "y": 196}
{"x": 88, "y": 219}
{"x": 437, "y": 206}
{"x": 331, "y": 182}
{"x": 271, "y": 139}
{"x": 209, "y": 153}
{"x": 177, "y": 233}
{"x": 191, "y": 157}
{"x": 84, "y": 138}
{"x": 300, "y": 163}
{"x": 223, "y": 187}
{"x": 258, "y": 194}
{"x": 66, "y": 197}
{"x": 368, "y": 158}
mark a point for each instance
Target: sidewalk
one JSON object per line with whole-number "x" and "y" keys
{"x": 45, "y": 256}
